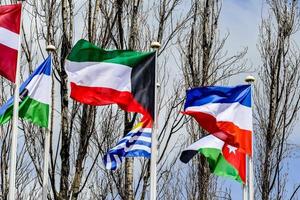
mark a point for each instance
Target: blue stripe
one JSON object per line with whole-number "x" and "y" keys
{"x": 218, "y": 94}
{"x": 138, "y": 153}
{"x": 138, "y": 142}
{"x": 44, "y": 68}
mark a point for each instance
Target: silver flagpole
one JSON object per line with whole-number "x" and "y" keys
{"x": 251, "y": 80}
{"x": 245, "y": 186}
{"x": 14, "y": 137}
{"x": 154, "y": 45}
{"x": 49, "y": 48}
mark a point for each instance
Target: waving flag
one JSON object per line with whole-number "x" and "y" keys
{"x": 137, "y": 143}
{"x": 224, "y": 160}
{"x": 100, "y": 77}
{"x": 224, "y": 112}
{"x": 10, "y": 17}
{"x": 35, "y": 97}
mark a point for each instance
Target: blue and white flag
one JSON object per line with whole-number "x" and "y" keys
{"x": 137, "y": 143}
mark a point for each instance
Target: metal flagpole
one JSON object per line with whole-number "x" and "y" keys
{"x": 250, "y": 80}
{"x": 14, "y": 137}
{"x": 154, "y": 45}
{"x": 245, "y": 186}
{"x": 49, "y": 48}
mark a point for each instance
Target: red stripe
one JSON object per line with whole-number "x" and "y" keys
{"x": 236, "y": 159}
{"x": 99, "y": 96}
{"x": 226, "y": 131}
{"x": 147, "y": 122}
{"x": 10, "y": 17}
{"x": 8, "y": 62}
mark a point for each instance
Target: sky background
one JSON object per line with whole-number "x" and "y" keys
{"x": 242, "y": 19}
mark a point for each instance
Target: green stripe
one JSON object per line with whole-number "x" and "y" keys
{"x": 7, "y": 115}
{"x": 31, "y": 110}
{"x": 84, "y": 51}
{"x": 218, "y": 164}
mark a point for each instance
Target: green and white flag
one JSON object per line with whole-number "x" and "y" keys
{"x": 35, "y": 97}
{"x": 224, "y": 160}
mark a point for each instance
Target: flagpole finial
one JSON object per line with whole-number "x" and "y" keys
{"x": 155, "y": 45}
{"x": 250, "y": 79}
{"x": 50, "y": 47}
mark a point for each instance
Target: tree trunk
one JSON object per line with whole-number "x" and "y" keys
{"x": 65, "y": 137}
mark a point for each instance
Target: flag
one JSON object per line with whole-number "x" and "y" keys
{"x": 10, "y": 19}
{"x": 224, "y": 112}
{"x": 35, "y": 97}
{"x": 101, "y": 77}
{"x": 224, "y": 160}
{"x": 137, "y": 143}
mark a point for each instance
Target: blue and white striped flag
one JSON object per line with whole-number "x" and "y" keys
{"x": 137, "y": 143}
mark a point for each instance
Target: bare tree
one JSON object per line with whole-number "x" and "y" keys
{"x": 277, "y": 99}
{"x": 205, "y": 63}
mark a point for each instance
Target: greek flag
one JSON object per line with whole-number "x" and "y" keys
{"x": 137, "y": 143}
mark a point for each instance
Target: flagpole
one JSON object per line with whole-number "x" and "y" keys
{"x": 153, "y": 162}
{"x": 14, "y": 137}
{"x": 251, "y": 80}
{"x": 245, "y": 186}
{"x": 50, "y": 48}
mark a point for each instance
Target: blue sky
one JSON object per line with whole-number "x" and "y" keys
{"x": 242, "y": 19}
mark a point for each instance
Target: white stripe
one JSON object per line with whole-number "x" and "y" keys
{"x": 236, "y": 113}
{"x": 108, "y": 162}
{"x": 100, "y": 74}
{"x": 9, "y": 38}
{"x": 209, "y": 141}
{"x": 141, "y": 138}
{"x": 39, "y": 88}
{"x": 146, "y": 130}
{"x": 138, "y": 147}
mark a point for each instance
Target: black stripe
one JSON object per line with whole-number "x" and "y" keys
{"x": 187, "y": 155}
{"x": 143, "y": 83}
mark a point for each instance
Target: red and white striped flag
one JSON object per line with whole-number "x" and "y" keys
{"x": 10, "y": 17}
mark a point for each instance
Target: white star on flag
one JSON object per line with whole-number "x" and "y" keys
{"x": 232, "y": 149}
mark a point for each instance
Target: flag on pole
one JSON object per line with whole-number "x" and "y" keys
{"x": 10, "y": 17}
{"x": 224, "y": 112}
{"x": 102, "y": 77}
{"x": 137, "y": 143}
{"x": 35, "y": 97}
{"x": 224, "y": 160}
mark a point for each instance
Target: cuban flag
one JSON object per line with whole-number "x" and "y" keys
{"x": 224, "y": 112}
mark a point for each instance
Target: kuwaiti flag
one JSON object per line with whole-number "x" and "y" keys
{"x": 35, "y": 97}
{"x": 137, "y": 143}
{"x": 224, "y": 112}
{"x": 102, "y": 77}
{"x": 224, "y": 160}
{"x": 10, "y": 17}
